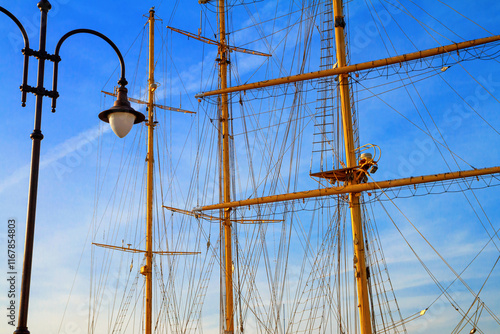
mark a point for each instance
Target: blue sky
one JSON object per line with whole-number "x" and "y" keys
{"x": 68, "y": 159}
{"x": 74, "y": 137}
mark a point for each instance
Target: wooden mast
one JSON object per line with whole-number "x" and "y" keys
{"x": 225, "y": 171}
{"x": 353, "y": 187}
{"x": 359, "y": 260}
{"x": 147, "y": 269}
{"x": 148, "y": 272}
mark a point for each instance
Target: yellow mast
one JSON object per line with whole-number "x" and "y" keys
{"x": 148, "y": 272}
{"x": 226, "y": 219}
{"x": 353, "y": 187}
{"x": 354, "y": 203}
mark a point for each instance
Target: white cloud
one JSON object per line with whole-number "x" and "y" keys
{"x": 78, "y": 143}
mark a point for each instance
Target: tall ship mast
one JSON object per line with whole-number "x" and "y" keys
{"x": 225, "y": 214}
{"x": 296, "y": 221}
{"x": 357, "y": 166}
{"x": 147, "y": 269}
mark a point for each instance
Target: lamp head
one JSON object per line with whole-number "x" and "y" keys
{"x": 121, "y": 116}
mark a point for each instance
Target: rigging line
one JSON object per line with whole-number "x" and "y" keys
{"x": 174, "y": 10}
{"x": 468, "y": 104}
{"x": 268, "y": 43}
{"x": 91, "y": 226}
{"x": 270, "y": 167}
{"x": 476, "y": 320}
{"x": 136, "y": 71}
{"x": 213, "y": 76}
{"x": 286, "y": 259}
{"x": 422, "y": 24}
{"x": 180, "y": 77}
{"x": 295, "y": 92}
{"x": 480, "y": 84}
{"x": 159, "y": 5}
{"x": 466, "y": 267}
{"x": 272, "y": 19}
{"x": 74, "y": 278}
{"x": 136, "y": 301}
{"x": 438, "y": 21}
{"x": 458, "y": 276}
{"x": 425, "y": 106}
{"x": 259, "y": 301}
{"x": 321, "y": 268}
{"x": 264, "y": 142}
{"x": 378, "y": 260}
{"x": 260, "y": 250}
{"x": 459, "y": 63}
{"x": 435, "y": 125}
{"x": 124, "y": 55}
{"x": 174, "y": 171}
{"x": 278, "y": 161}
{"x": 429, "y": 272}
{"x": 91, "y": 315}
{"x": 378, "y": 29}
{"x": 413, "y": 84}
{"x": 207, "y": 19}
{"x": 397, "y": 87}
{"x": 444, "y": 141}
{"x": 456, "y": 11}
{"x": 159, "y": 31}
{"x": 100, "y": 285}
{"x": 489, "y": 221}
{"x": 472, "y": 207}
{"x": 295, "y": 135}
{"x": 406, "y": 35}
{"x": 100, "y": 186}
{"x": 120, "y": 174}
{"x": 456, "y": 330}
{"x": 307, "y": 260}
{"x": 125, "y": 301}
{"x": 272, "y": 125}
{"x": 234, "y": 69}
{"x": 197, "y": 168}
{"x": 156, "y": 186}
{"x": 248, "y": 150}
{"x": 199, "y": 106}
{"x": 397, "y": 23}
{"x": 397, "y": 192}
{"x": 288, "y": 27}
{"x": 411, "y": 122}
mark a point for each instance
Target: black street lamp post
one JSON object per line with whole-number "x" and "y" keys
{"x": 119, "y": 116}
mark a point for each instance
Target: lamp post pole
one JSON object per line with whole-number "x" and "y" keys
{"x": 36, "y": 136}
{"x": 121, "y": 107}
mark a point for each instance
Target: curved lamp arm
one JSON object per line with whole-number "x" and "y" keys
{"x": 26, "y": 52}
{"x": 122, "y": 82}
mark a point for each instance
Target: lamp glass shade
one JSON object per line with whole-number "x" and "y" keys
{"x": 121, "y": 122}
